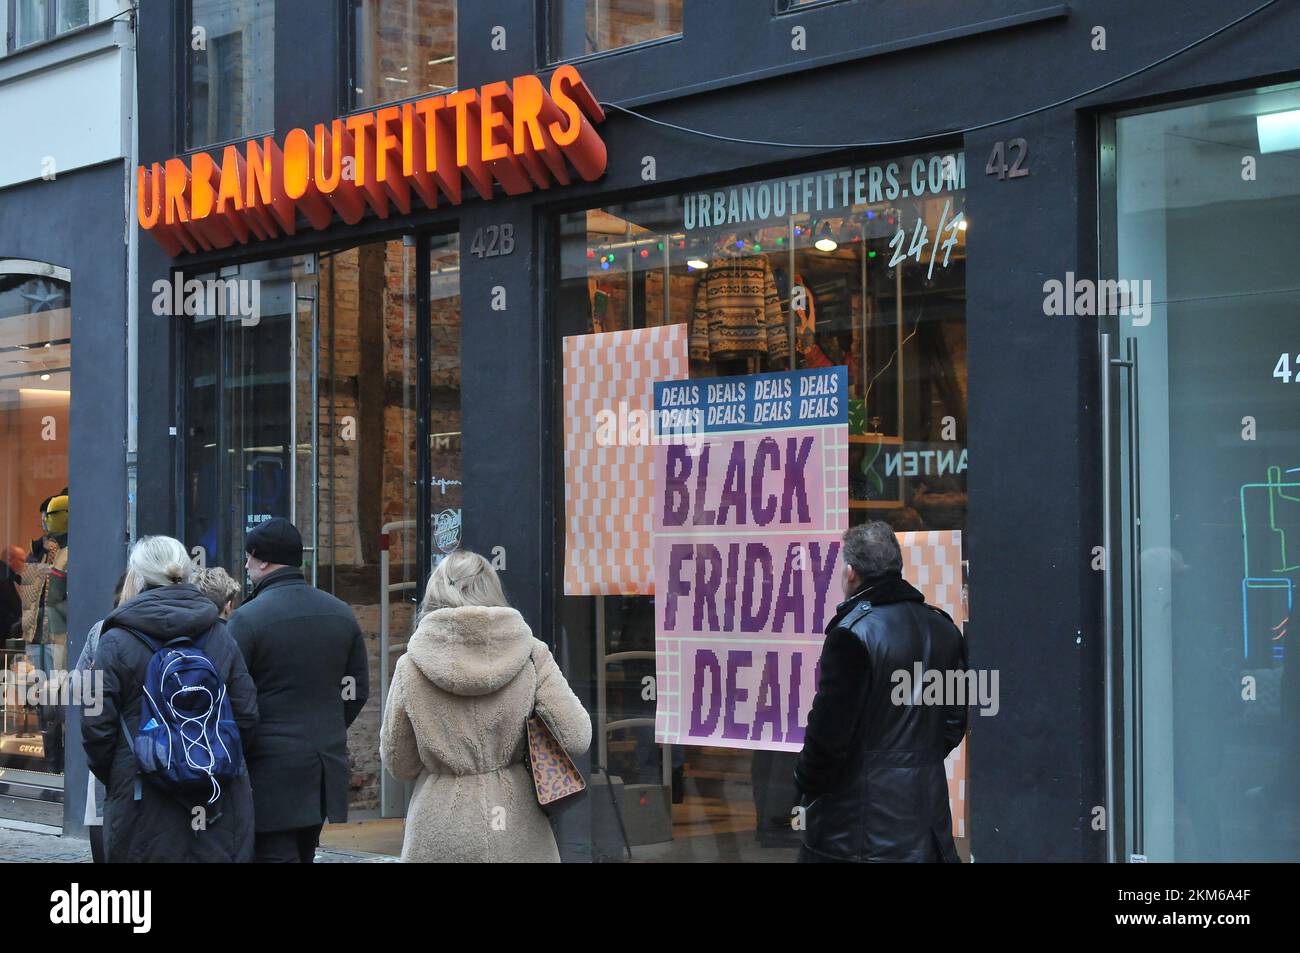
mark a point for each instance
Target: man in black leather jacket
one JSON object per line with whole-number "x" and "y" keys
{"x": 871, "y": 771}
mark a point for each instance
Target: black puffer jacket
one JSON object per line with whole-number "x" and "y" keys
{"x": 871, "y": 771}
{"x": 157, "y": 827}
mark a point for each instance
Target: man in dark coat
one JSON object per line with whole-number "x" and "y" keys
{"x": 871, "y": 771}
{"x": 143, "y": 823}
{"x": 307, "y": 656}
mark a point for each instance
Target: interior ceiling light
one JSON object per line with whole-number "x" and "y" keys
{"x": 824, "y": 240}
{"x": 1279, "y": 132}
{"x": 697, "y": 263}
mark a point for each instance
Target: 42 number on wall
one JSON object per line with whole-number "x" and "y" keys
{"x": 998, "y": 159}
{"x": 492, "y": 241}
{"x": 1282, "y": 369}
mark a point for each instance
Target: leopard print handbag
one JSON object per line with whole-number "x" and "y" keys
{"x": 556, "y": 779}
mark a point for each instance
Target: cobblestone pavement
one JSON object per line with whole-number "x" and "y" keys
{"x": 29, "y": 847}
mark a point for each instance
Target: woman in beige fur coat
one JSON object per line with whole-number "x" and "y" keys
{"x": 454, "y": 722}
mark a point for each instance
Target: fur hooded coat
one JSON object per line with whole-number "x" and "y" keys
{"x": 454, "y": 724}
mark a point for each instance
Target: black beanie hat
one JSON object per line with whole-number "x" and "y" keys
{"x": 275, "y": 541}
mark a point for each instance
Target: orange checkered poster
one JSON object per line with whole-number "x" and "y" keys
{"x": 609, "y": 458}
{"x": 932, "y": 562}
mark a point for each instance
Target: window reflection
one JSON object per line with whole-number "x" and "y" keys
{"x": 579, "y": 27}
{"x": 402, "y": 49}
{"x": 231, "y": 78}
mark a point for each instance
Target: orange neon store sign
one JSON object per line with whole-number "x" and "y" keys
{"x": 518, "y": 133}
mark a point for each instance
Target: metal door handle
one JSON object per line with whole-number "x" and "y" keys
{"x": 1135, "y": 593}
{"x": 1107, "y": 397}
{"x": 1118, "y": 536}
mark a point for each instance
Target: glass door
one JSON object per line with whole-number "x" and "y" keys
{"x": 366, "y": 479}
{"x": 241, "y": 403}
{"x": 386, "y": 429}
{"x": 326, "y": 390}
{"x": 1201, "y": 387}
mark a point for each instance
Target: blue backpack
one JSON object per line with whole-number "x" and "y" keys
{"x": 188, "y": 742}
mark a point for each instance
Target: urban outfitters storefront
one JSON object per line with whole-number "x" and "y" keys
{"x": 821, "y": 320}
{"x": 323, "y": 384}
{"x": 847, "y": 323}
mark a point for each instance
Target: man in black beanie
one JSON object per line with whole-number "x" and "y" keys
{"x": 306, "y": 654}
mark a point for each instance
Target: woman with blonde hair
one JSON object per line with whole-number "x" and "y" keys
{"x": 455, "y": 722}
{"x": 142, "y": 821}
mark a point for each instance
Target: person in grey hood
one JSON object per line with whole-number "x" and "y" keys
{"x": 143, "y": 823}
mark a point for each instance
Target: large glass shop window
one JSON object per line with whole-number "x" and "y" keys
{"x": 820, "y": 322}
{"x": 36, "y": 521}
{"x": 1206, "y": 199}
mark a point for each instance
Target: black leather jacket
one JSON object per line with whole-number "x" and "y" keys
{"x": 871, "y": 771}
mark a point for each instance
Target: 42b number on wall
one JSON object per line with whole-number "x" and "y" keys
{"x": 492, "y": 241}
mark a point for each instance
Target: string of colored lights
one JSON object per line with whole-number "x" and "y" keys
{"x": 824, "y": 239}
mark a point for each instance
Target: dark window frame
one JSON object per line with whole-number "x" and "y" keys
{"x": 348, "y": 34}
{"x": 548, "y": 59}
{"x": 184, "y": 11}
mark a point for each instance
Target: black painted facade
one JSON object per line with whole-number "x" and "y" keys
{"x": 896, "y": 78}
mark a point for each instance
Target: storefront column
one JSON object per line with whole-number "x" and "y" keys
{"x": 1036, "y": 767}
{"x": 504, "y": 416}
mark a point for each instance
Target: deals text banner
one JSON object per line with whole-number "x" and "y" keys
{"x": 751, "y": 501}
